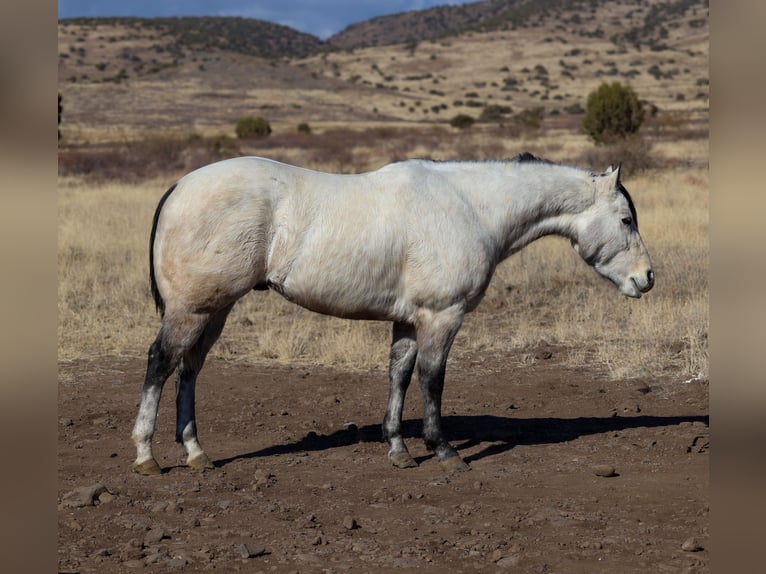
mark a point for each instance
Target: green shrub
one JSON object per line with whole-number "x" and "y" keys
{"x": 530, "y": 118}
{"x": 250, "y": 126}
{"x": 304, "y": 128}
{"x": 494, "y": 112}
{"x": 613, "y": 111}
{"x": 461, "y": 121}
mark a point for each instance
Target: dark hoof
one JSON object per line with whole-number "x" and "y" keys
{"x": 147, "y": 468}
{"x": 402, "y": 460}
{"x": 454, "y": 464}
{"x": 200, "y": 462}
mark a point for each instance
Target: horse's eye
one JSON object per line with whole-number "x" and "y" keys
{"x": 627, "y": 220}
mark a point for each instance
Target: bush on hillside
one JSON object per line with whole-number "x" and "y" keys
{"x": 461, "y": 121}
{"x": 612, "y": 112}
{"x": 250, "y": 126}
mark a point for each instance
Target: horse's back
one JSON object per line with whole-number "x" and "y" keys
{"x": 373, "y": 245}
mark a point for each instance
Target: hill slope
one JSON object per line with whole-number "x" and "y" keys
{"x": 125, "y": 78}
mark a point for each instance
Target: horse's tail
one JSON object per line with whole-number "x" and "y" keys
{"x": 160, "y": 304}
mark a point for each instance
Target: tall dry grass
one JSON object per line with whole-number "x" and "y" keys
{"x": 543, "y": 294}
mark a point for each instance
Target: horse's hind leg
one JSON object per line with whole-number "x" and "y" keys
{"x": 404, "y": 351}
{"x": 175, "y": 337}
{"x": 188, "y": 369}
{"x": 435, "y": 333}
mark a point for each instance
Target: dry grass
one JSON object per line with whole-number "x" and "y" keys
{"x": 543, "y": 294}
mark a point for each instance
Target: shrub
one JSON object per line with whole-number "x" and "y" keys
{"x": 613, "y": 111}
{"x": 250, "y": 126}
{"x": 495, "y": 112}
{"x": 304, "y": 128}
{"x": 530, "y": 118}
{"x": 461, "y": 121}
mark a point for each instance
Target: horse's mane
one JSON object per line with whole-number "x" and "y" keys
{"x": 526, "y": 157}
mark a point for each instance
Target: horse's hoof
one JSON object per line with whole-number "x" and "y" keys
{"x": 402, "y": 460}
{"x": 200, "y": 462}
{"x": 147, "y": 468}
{"x": 454, "y": 464}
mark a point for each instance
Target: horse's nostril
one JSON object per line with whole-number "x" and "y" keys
{"x": 650, "y": 277}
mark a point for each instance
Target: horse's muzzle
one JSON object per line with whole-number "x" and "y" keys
{"x": 642, "y": 284}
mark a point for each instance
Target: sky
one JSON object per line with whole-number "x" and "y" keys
{"x": 321, "y": 18}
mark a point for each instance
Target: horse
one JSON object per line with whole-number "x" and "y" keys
{"x": 415, "y": 242}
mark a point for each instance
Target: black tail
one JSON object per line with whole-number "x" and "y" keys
{"x": 155, "y": 292}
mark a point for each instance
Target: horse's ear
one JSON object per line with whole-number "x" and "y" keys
{"x": 610, "y": 179}
{"x": 612, "y": 169}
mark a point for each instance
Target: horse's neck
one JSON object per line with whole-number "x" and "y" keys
{"x": 527, "y": 202}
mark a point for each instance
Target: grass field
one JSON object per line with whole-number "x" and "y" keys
{"x": 545, "y": 294}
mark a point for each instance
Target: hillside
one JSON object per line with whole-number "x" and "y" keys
{"x": 645, "y": 23}
{"x": 507, "y": 62}
{"x": 202, "y": 34}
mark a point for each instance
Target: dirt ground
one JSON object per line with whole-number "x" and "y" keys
{"x": 302, "y": 482}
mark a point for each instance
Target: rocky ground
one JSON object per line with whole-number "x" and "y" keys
{"x": 571, "y": 473}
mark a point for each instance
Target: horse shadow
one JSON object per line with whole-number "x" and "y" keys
{"x": 501, "y": 433}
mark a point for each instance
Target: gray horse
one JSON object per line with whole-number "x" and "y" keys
{"x": 414, "y": 243}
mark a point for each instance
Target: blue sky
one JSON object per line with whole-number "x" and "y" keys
{"x": 318, "y": 17}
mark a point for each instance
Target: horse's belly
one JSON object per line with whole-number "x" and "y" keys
{"x": 348, "y": 299}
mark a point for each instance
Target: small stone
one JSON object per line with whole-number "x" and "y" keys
{"x": 350, "y": 523}
{"x": 604, "y": 470}
{"x": 246, "y": 552}
{"x": 106, "y": 497}
{"x": 155, "y": 535}
{"x": 159, "y": 506}
{"x": 83, "y": 496}
{"x": 508, "y": 561}
{"x": 133, "y": 564}
{"x": 154, "y": 557}
{"x": 691, "y": 545}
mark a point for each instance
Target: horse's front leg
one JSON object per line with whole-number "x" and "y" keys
{"x": 404, "y": 351}
{"x": 435, "y": 333}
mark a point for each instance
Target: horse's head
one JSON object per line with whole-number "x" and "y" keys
{"x": 606, "y": 237}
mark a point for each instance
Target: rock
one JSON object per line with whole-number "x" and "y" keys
{"x": 83, "y": 496}
{"x": 350, "y": 523}
{"x": 133, "y": 564}
{"x": 604, "y": 470}
{"x": 154, "y": 557}
{"x": 159, "y": 506}
{"x": 691, "y": 545}
{"x": 247, "y": 552}
{"x": 508, "y": 562}
{"x": 155, "y": 535}
{"x": 106, "y": 497}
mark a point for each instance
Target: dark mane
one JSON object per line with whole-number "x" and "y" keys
{"x": 621, "y": 189}
{"x": 159, "y": 303}
{"x": 526, "y": 157}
